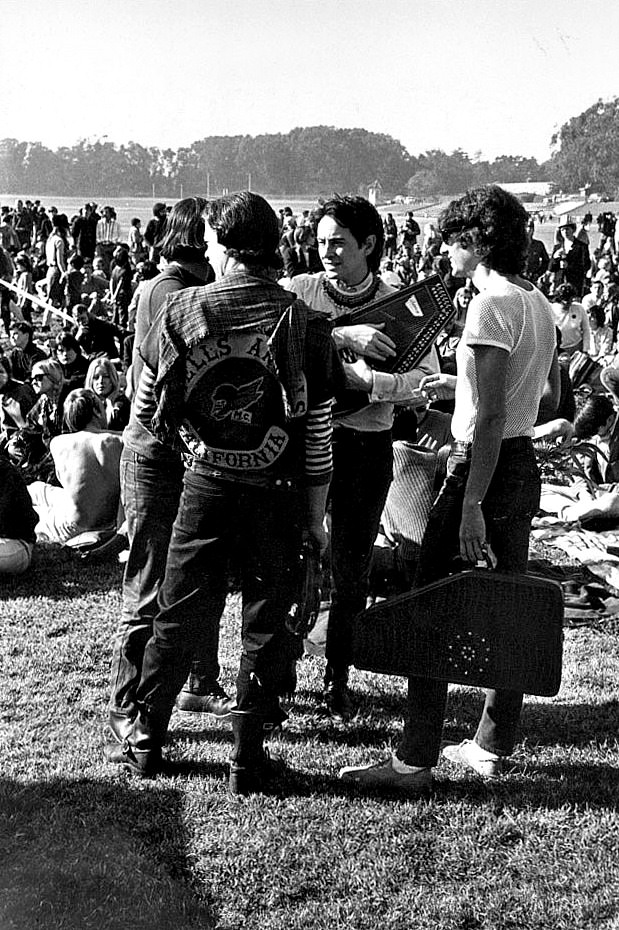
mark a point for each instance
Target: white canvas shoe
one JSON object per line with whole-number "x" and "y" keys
{"x": 469, "y": 754}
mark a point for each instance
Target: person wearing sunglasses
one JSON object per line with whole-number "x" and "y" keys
{"x": 30, "y": 445}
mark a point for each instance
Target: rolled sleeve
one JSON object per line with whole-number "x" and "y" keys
{"x": 398, "y": 388}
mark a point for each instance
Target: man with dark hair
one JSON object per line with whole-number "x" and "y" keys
{"x": 108, "y": 237}
{"x": 243, "y": 375}
{"x": 492, "y": 486}
{"x": 23, "y": 224}
{"x": 95, "y": 335}
{"x": 155, "y": 228}
{"x": 84, "y": 232}
{"x": 570, "y": 258}
{"x": 151, "y": 484}
{"x": 537, "y": 257}
{"x": 9, "y": 240}
{"x": 350, "y": 244}
{"x": 42, "y": 225}
{"x": 410, "y": 231}
{"x": 25, "y": 351}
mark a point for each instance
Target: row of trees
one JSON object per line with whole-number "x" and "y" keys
{"x": 587, "y": 150}
{"x": 310, "y": 160}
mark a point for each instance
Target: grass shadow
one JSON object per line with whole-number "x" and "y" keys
{"x": 570, "y": 724}
{"x": 59, "y": 573}
{"x": 70, "y": 859}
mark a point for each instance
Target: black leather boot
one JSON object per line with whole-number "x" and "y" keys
{"x": 251, "y": 765}
{"x": 140, "y": 751}
{"x": 120, "y": 725}
{"x": 337, "y": 699}
{"x": 209, "y": 699}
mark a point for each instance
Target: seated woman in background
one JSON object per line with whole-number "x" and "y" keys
{"x": 49, "y": 384}
{"x": 16, "y": 400}
{"x": 17, "y": 521}
{"x": 102, "y": 378}
{"x": 29, "y": 446}
{"x": 74, "y": 364}
{"x": 87, "y": 463}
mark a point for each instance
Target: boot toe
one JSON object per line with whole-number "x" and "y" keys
{"x": 144, "y": 764}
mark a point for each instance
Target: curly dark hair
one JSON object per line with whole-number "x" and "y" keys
{"x": 495, "y": 221}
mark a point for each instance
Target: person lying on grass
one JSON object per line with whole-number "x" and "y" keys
{"x": 17, "y": 521}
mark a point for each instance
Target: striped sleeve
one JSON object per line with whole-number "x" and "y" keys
{"x": 318, "y": 438}
{"x": 144, "y": 402}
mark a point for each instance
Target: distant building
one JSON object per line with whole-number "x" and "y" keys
{"x": 532, "y": 188}
{"x": 375, "y": 192}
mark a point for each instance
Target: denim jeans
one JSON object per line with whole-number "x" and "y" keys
{"x": 362, "y": 473}
{"x": 509, "y": 506}
{"x": 150, "y": 494}
{"x": 259, "y": 527}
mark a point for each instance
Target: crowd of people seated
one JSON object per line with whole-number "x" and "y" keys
{"x": 88, "y": 268}
{"x": 66, "y": 317}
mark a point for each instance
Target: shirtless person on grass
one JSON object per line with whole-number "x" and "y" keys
{"x": 87, "y": 464}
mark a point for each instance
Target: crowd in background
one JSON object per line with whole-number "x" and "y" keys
{"x": 91, "y": 272}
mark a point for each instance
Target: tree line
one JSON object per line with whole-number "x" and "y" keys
{"x": 311, "y": 160}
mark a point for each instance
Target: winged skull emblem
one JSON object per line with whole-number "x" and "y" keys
{"x": 230, "y": 400}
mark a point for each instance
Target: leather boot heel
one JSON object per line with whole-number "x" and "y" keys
{"x": 241, "y": 781}
{"x": 251, "y": 765}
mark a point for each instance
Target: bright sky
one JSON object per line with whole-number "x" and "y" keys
{"x": 490, "y": 76}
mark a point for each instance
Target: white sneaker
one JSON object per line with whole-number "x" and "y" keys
{"x": 469, "y": 754}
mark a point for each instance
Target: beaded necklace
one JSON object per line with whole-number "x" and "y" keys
{"x": 356, "y": 299}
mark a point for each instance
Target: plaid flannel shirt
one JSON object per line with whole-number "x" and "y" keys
{"x": 238, "y": 302}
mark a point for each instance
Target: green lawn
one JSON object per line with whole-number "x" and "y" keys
{"x": 84, "y": 845}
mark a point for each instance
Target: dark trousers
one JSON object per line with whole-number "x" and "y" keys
{"x": 508, "y": 508}
{"x": 258, "y": 527}
{"x": 362, "y": 473}
{"x": 151, "y": 492}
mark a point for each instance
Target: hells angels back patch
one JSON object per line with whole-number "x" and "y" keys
{"x": 235, "y": 414}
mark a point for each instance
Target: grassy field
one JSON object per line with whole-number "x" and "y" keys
{"x": 83, "y": 845}
{"x": 128, "y": 207}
